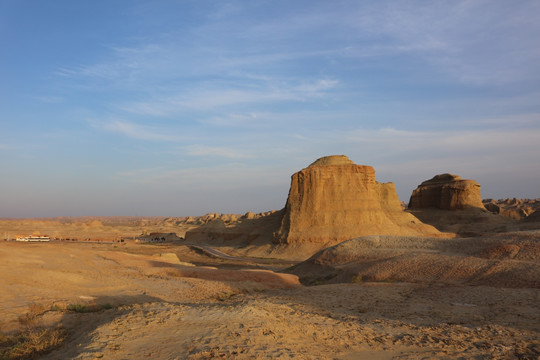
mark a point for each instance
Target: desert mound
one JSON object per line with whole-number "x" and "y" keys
{"x": 468, "y": 222}
{"x": 509, "y": 260}
{"x": 333, "y": 200}
{"x": 446, "y": 192}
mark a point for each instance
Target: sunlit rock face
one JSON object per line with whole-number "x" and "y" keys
{"x": 446, "y": 192}
{"x": 333, "y": 200}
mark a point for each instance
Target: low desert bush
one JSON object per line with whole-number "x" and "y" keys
{"x": 80, "y": 308}
{"x": 34, "y": 311}
{"x": 224, "y": 296}
{"x": 56, "y": 307}
{"x": 32, "y": 340}
{"x": 106, "y": 306}
{"x": 87, "y": 308}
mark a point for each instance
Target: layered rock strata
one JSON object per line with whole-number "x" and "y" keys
{"x": 447, "y": 192}
{"x": 333, "y": 200}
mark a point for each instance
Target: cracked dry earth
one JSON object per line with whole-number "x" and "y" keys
{"x": 346, "y": 321}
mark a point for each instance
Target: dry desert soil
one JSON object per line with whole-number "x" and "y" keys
{"x": 463, "y": 298}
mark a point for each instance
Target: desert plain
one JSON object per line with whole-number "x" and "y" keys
{"x": 344, "y": 273}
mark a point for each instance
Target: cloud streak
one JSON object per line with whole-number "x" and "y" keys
{"x": 135, "y": 131}
{"x": 217, "y": 151}
{"x": 205, "y": 99}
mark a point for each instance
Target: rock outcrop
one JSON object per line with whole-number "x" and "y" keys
{"x": 446, "y": 192}
{"x": 333, "y": 200}
{"x": 243, "y": 232}
{"x": 513, "y": 208}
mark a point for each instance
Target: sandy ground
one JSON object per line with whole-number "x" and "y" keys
{"x": 94, "y": 228}
{"x": 165, "y": 309}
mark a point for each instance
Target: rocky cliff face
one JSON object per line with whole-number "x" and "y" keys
{"x": 333, "y": 200}
{"x": 447, "y": 192}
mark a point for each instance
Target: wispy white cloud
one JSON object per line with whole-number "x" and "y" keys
{"x": 503, "y": 160}
{"x": 232, "y": 120}
{"x": 204, "y": 99}
{"x": 217, "y": 151}
{"x": 401, "y": 144}
{"x": 315, "y": 88}
{"x": 473, "y": 42}
{"x": 122, "y": 63}
{"x": 227, "y": 176}
{"x": 134, "y": 131}
{"x": 50, "y": 99}
{"x": 514, "y": 121}
{"x": 403, "y": 157}
{"x": 477, "y": 42}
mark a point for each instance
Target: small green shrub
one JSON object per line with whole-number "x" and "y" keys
{"x": 86, "y": 308}
{"x": 80, "y": 308}
{"x": 357, "y": 278}
{"x": 56, "y": 308}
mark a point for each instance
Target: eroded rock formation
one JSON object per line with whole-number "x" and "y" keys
{"x": 446, "y": 192}
{"x": 513, "y": 208}
{"x": 333, "y": 200}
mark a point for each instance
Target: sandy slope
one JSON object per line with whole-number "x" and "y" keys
{"x": 166, "y": 310}
{"x": 355, "y": 321}
{"x": 60, "y": 273}
{"x": 508, "y": 260}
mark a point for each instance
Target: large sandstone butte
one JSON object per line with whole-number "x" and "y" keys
{"x": 447, "y": 192}
{"x": 333, "y": 200}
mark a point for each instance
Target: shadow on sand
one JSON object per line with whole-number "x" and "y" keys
{"x": 85, "y": 317}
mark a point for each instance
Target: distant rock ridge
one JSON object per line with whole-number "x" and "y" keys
{"x": 333, "y": 200}
{"x": 446, "y": 192}
{"x": 513, "y": 208}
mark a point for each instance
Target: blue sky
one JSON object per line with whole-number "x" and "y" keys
{"x": 180, "y": 108}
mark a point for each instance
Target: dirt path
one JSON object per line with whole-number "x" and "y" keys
{"x": 248, "y": 260}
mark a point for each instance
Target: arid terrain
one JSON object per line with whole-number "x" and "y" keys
{"x": 144, "y": 303}
{"x": 454, "y": 282}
